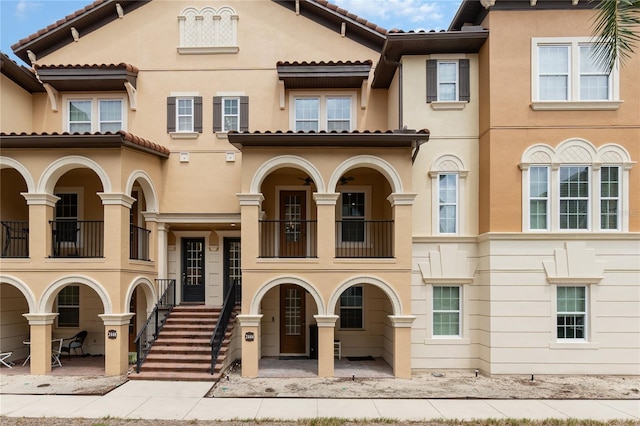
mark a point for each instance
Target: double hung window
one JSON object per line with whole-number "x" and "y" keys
{"x": 448, "y": 203}
{"x": 184, "y": 114}
{"x": 323, "y": 112}
{"x": 448, "y": 80}
{"x": 94, "y": 115}
{"x": 68, "y": 301}
{"x": 574, "y": 197}
{"x": 539, "y": 197}
{"x": 352, "y": 308}
{"x": 446, "y": 311}
{"x": 571, "y": 312}
{"x": 353, "y": 216}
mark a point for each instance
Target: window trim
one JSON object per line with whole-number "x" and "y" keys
{"x": 584, "y": 314}
{"x": 360, "y": 308}
{"x": 463, "y": 82}
{"x": 573, "y": 102}
{"x": 458, "y": 311}
{"x": 95, "y": 109}
{"x": 455, "y": 203}
{"x": 322, "y": 101}
{"x": 591, "y": 335}
{"x": 448, "y": 164}
{"x": 546, "y": 199}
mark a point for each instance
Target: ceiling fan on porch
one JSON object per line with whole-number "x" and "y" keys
{"x": 345, "y": 179}
{"x": 307, "y": 180}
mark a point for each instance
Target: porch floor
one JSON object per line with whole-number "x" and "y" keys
{"x": 91, "y": 365}
{"x": 304, "y": 367}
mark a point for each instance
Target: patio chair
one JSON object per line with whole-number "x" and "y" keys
{"x": 56, "y": 351}
{"x": 75, "y": 343}
{"x": 4, "y": 359}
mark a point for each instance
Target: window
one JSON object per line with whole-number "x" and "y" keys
{"x": 325, "y": 112}
{"x": 566, "y": 74}
{"x": 609, "y": 197}
{"x": 538, "y": 197}
{"x": 448, "y": 80}
{"x": 69, "y": 306}
{"x": 67, "y": 206}
{"x": 208, "y": 30}
{"x": 571, "y": 312}
{"x": 95, "y": 115}
{"x": 574, "y": 197}
{"x": 184, "y": 114}
{"x": 446, "y": 311}
{"x": 353, "y": 215}
{"x": 448, "y": 203}
{"x": 230, "y": 113}
{"x": 351, "y": 308}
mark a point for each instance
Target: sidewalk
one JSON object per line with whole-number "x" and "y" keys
{"x": 186, "y": 401}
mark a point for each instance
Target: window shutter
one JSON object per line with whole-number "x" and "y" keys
{"x": 171, "y": 114}
{"x": 244, "y": 113}
{"x": 432, "y": 80}
{"x": 197, "y": 114}
{"x": 217, "y": 113}
{"x": 463, "y": 74}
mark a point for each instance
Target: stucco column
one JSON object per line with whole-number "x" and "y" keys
{"x": 163, "y": 248}
{"x": 326, "y": 232}
{"x": 116, "y": 345}
{"x": 40, "y": 337}
{"x": 402, "y": 345}
{"x": 117, "y": 207}
{"x": 402, "y": 205}
{"x": 250, "y": 337}
{"x": 40, "y": 214}
{"x": 326, "y": 333}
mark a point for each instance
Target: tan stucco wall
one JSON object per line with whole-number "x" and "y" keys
{"x": 15, "y": 107}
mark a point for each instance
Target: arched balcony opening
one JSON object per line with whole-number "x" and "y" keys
{"x": 14, "y": 215}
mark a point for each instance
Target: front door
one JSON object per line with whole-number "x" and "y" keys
{"x": 292, "y": 319}
{"x": 293, "y": 226}
{"x": 193, "y": 270}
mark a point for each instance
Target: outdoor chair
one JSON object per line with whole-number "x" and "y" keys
{"x": 4, "y": 359}
{"x": 75, "y": 343}
{"x": 66, "y": 234}
{"x": 56, "y": 351}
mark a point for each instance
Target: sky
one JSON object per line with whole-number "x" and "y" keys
{"x": 21, "y": 18}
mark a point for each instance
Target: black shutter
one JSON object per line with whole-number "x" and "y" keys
{"x": 432, "y": 80}
{"x": 197, "y": 114}
{"x": 171, "y": 114}
{"x": 464, "y": 92}
{"x": 217, "y": 113}
{"x": 244, "y": 113}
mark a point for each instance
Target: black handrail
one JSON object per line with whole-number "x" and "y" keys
{"x": 143, "y": 341}
{"x": 138, "y": 243}
{"x": 364, "y": 238}
{"x": 288, "y": 238}
{"x": 15, "y": 238}
{"x": 77, "y": 238}
{"x": 221, "y": 327}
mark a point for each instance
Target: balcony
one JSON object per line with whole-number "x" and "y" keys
{"x": 77, "y": 238}
{"x": 364, "y": 238}
{"x": 288, "y": 238}
{"x": 138, "y": 243}
{"x": 15, "y": 238}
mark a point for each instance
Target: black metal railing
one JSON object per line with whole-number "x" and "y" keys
{"x": 77, "y": 238}
{"x": 364, "y": 238}
{"x": 221, "y": 327}
{"x": 138, "y": 243}
{"x": 15, "y": 238}
{"x": 152, "y": 326}
{"x": 288, "y": 238}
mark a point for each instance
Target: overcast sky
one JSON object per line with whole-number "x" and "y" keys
{"x": 21, "y": 18}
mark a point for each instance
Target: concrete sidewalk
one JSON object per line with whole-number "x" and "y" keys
{"x": 185, "y": 401}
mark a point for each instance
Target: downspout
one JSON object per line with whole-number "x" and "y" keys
{"x": 399, "y": 66}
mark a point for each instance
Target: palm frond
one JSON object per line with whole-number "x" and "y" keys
{"x": 617, "y": 31}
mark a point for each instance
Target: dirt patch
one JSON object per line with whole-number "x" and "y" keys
{"x": 26, "y": 384}
{"x": 428, "y": 384}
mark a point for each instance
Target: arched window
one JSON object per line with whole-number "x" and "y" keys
{"x": 208, "y": 30}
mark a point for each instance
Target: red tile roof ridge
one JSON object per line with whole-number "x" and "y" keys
{"x": 329, "y": 132}
{"x": 350, "y": 15}
{"x": 126, "y": 66}
{"x": 143, "y": 142}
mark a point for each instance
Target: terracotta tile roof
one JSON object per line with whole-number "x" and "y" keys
{"x": 350, "y": 15}
{"x": 122, "y": 66}
{"x": 323, "y": 63}
{"x": 19, "y": 74}
{"x": 334, "y": 132}
{"x": 101, "y": 139}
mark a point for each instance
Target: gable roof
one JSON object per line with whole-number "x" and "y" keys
{"x": 19, "y": 74}
{"x": 101, "y": 12}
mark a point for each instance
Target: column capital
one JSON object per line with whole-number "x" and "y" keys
{"x": 116, "y": 198}
{"x": 402, "y": 321}
{"x": 249, "y": 320}
{"x": 328, "y": 199}
{"x": 248, "y": 199}
{"x": 397, "y": 199}
{"x": 40, "y": 319}
{"x": 116, "y": 319}
{"x": 326, "y": 320}
{"x": 40, "y": 199}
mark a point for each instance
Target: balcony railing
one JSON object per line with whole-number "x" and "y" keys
{"x": 138, "y": 243}
{"x": 15, "y": 238}
{"x": 288, "y": 238}
{"x": 77, "y": 238}
{"x": 364, "y": 238}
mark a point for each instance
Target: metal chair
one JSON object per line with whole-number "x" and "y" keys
{"x": 75, "y": 343}
{"x": 4, "y": 359}
{"x": 56, "y": 351}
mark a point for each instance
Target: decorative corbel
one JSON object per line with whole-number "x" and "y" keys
{"x": 119, "y": 10}
{"x": 53, "y": 96}
{"x": 132, "y": 92}
{"x": 75, "y": 34}
{"x": 533, "y": 2}
{"x": 281, "y": 93}
{"x": 364, "y": 94}
{"x": 343, "y": 29}
{"x": 488, "y": 3}
{"x": 297, "y": 7}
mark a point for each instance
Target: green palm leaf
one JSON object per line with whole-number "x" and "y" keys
{"x": 617, "y": 31}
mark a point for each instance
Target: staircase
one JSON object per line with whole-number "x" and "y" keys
{"x": 182, "y": 351}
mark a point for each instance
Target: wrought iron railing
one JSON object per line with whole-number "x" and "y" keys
{"x": 15, "y": 238}
{"x": 138, "y": 243}
{"x": 364, "y": 238}
{"x": 152, "y": 326}
{"x": 288, "y": 238}
{"x": 221, "y": 327}
{"x": 77, "y": 238}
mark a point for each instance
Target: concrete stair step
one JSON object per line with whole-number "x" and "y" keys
{"x": 186, "y": 334}
{"x": 179, "y": 357}
{"x": 178, "y": 367}
{"x": 187, "y": 350}
{"x": 181, "y": 341}
{"x": 176, "y": 376}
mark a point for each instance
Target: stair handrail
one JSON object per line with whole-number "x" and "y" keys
{"x": 167, "y": 300}
{"x": 221, "y": 327}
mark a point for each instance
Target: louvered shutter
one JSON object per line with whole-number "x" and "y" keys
{"x": 244, "y": 113}
{"x": 464, "y": 91}
{"x": 432, "y": 80}
{"x": 171, "y": 114}
{"x": 197, "y": 114}
{"x": 217, "y": 113}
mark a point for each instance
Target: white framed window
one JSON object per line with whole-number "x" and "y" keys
{"x": 230, "y": 114}
{"x": 447, "y": 80}
{"x": 352, "y": 308}
{"x": 446, "y": 311}
{"x": 94, "y": 114}
{"x": 208, "y": 31}
{"x": 448, "y": 203}
{"x": 354, "y": 210}
{"x": 184, "y": 115}
{"x": 575, "y": 187}
{"x": 68, "y": 302}
{"x": 571, "y": 313}
{"x": 330, "y": 112}
{"x": 566, "y": 75}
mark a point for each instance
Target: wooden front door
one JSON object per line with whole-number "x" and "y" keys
{"x": 193, "y": 270}
{"x": 293, "y": 225}
{"x": 292, "y": 319}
